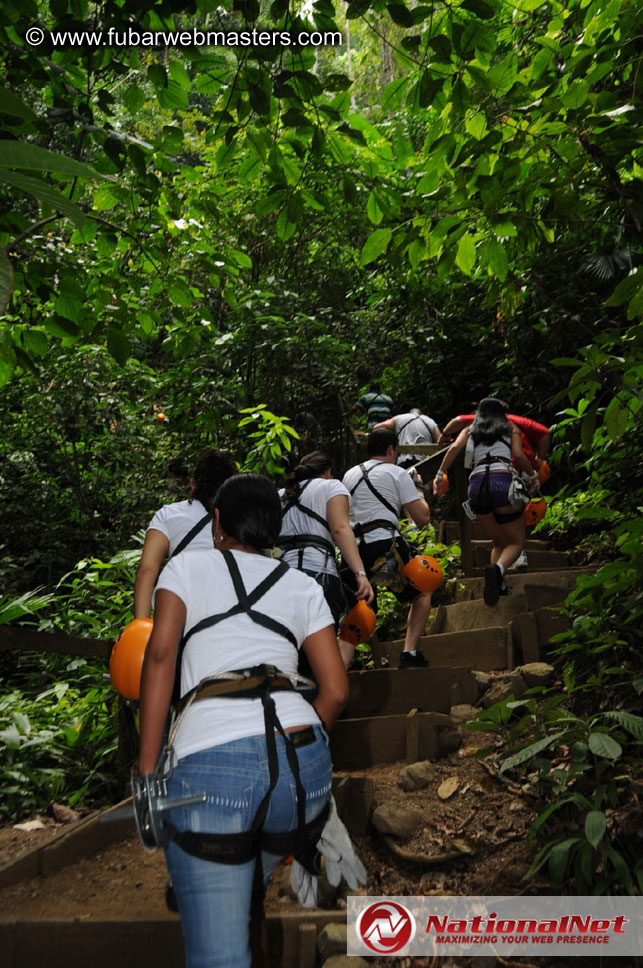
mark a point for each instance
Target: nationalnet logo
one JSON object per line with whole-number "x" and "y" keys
{"x": 561, "y": 925}
{"x": 386, "y": 927}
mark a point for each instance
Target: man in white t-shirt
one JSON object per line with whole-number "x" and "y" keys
{"x": 413, "y": 427}
{"x": 381, "y": 493}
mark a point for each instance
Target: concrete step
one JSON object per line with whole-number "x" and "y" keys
{"x": 393, "y": 692}
{"x": 531, "y": 544}
{"x": 484, "y": 649}
{"x": 451, "y": 534}
{"x": 474, "y": 614}
{"x": 451, "y": 531}
{"x": 540, "y": 559}
{"x": 141, "y": 943}
{"x": 565, "y": 578}
{"x": 359, "y": 743}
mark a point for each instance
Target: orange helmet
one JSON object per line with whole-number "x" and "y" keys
{"x": 535, "y": 511}
{"x": 441, "y": 483}
{"x": 358, "y": 624}
{"x": 423, "y": 573}
{"x": 544, "y": 471}
{"x": 160, "y": 417}
{"x": 126, "y": 662}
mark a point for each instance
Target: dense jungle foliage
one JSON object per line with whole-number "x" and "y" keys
{"x": 196, "y": 239}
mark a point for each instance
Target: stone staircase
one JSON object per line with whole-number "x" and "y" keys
{"x": 392, "y": 716}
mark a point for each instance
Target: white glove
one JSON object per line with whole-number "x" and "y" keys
{"x": 303, "y": 884}
{"x": 341, "y": 860}
{"x": 533, "y": 486}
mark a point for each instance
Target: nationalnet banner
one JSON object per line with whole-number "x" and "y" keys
{"x": 544, "y": 926}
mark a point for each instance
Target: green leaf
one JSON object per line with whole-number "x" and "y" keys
{"x": 241, "y": 258}
{"x": 45, "y": 193}
{"x": 603, "y": 745}
{"x": 400, "y": 14}
{"x": 428, "y": 87}
{"x": 558, "y": 858}
{"x": 376, "y": 243}
{"x": 481, "y": 8}
{"x": 576, "y": 94}
{"x": 178, "y": 73}
{"x": 633, "y": 724}
{"x": 529, "y": 751}
{"x": 616, "y": 419}
{"x": 6, "y": 280}
{"x": 10, "y": 104}
{"x": 626, "y": 289}
{"x": 466, "y": 255}
{"x": 595, "y": 826}
{"x": 417, "y": 252}
{"x": 134, "y": 99}
{"x": 269, "y": 204}
{"x": 337, "y": 82}
{"x": 61, "y": 327}
{"x": 497, "y": 259}
{"x": 393, "y": 93}
{"x": 172, "y": 96}
{"x": 17, "y": 154}
{"x": 104, "y": 199}
{"x": 118, "y": 345}
{"x": 635, "y": 306}
{"x": 284, "y": 228}
{"x": 373, "y": 210}
{"x": 180, "y": 294}
{"x": 476, "y": 125}
{"x": 69, "y": 308}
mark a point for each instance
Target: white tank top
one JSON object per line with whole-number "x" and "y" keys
{"x": 500, "y": 448}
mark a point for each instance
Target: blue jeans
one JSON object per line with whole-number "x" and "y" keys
{"x": 215, "y": 899}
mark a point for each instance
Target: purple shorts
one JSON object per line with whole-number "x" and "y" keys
{"x": 489, "y": 491}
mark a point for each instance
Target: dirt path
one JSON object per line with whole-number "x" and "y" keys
{"x": 483, "y": 820}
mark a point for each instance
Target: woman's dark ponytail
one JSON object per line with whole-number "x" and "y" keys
{"x": 312, "y": 465}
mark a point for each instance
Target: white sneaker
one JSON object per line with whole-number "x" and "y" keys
{"x": 521, "y": 563}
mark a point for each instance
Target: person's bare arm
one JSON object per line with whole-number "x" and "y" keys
{"x": 385, "y": 424}
{"x": 418, "y": 511}
{"x": 518, "y": 453}
{"x": 339, "y": 524}
{"x": 453, "y": 427}
{"x": 155, "y": 549}
{"x": 328, "y": 669}
{"x": 456, "y": 448}
{"x": 543, "y": 446}
{"x": 157, "y": 679}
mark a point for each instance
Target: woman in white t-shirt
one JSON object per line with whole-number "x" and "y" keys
{"x": 184, "y": 524}
{"x": 315, "y": 522}
{"x": 236, "y": 609}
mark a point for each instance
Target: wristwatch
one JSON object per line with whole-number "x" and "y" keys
{"x": 358, "y": 573}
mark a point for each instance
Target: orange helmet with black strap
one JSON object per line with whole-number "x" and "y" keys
{"x": 126, "y": 662}
{"x": 424, "y": 573}
{"x": 359, "y": 624}
{"x": 535, "y": 511}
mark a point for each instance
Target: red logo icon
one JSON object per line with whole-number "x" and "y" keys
{"x": 386, "y": 927}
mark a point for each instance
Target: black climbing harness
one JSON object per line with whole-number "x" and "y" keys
{"x": 258, "y": 682}
{"x": 418, "y": 416}
{"x": 377, "y": 523}
{"x": 517, "y": 495}
{"x": 192, "y": 533}
{"x": 300, "y": 542}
